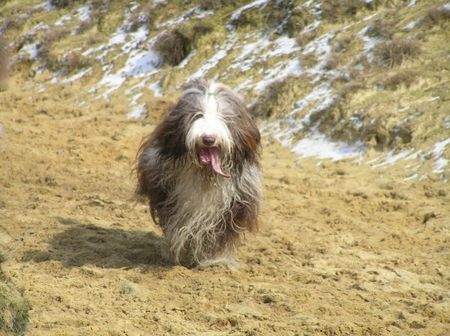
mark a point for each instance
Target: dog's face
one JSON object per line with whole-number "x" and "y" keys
{"x": 209, "y": 126}
{"x": 209, "y": 140}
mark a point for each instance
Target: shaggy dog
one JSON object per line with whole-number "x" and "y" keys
{"x": 200, "y": 171}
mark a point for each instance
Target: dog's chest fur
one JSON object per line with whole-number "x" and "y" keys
{"x": 199, "y": 202}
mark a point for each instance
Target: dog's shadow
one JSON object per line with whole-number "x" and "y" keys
{"x": 83, "y": 244}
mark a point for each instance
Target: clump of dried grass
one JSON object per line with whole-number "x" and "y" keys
{"x": 400, "y": 78}
{"x": 146, "y": 16}
{"x": 343, "y": 42}
{"x": 3, "y": 61}
{"x": 274, "y": 100}
{"x": 306, "y": 37}
{"x": 100, "y": 9}
{"x": 175, "y": 45}
{"x": 435, "y": 16}
{"x": 172, "y": 47}
{"x": 211, "y": 4}
{"x": 338, "y": 10}
{"x": 74, "y": 61}
{"x": 297, "y": 21}
{"x": 347, "y": 89}
{"x": 396, "y": 51}
{"x": 61, "y": 3}
{"x": 381, "y": 28}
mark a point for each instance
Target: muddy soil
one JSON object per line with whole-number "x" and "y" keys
{"x": 341, "y": 250}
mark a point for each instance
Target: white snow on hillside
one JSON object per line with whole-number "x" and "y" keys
{"x": 255, "y": 4}
{"x": 128, "y": 60}
{"x": 438, "y": 152}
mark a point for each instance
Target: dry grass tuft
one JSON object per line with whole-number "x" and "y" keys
{"x": 13, "y": 308}
{"x": 146, "y": 16}
{"x": 3, "y": 61}
{"x": 211, "y": 4}
{"x": 396, "y": 51}
{"x": 274, "y": 101}
{"x": 338, "y": 10}
{"x": 435, "y": 16}
{"x": 350, "y": 88}
{"x": 400, "y": 78}
{"x": 343, "y": 42}
{"x": 85, "y": 25}
{"x": 54, "y": 35}
{"x": 173, "y": 47}
{"x": 12, "y": 23}
{"x": 61, "y": 3}
{"x": 332, "y": 62}
{"x": 100, "y": 9}
{"x": 94, "y": 39}
{"x": 306, "y": 37}
{"x": 74, "y": 61}
{"x": 277, "y": 15}
{"x": 381, "y": 28}
{"x": 297, "y": 21}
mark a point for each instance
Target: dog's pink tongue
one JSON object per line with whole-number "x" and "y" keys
{"x": 215, "y": 161}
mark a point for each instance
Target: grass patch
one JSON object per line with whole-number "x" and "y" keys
{"x": 436, "y": 16}
{"x": 306, "y": 37}
{"x": 396, "y": 51}
{"x": 175, "y": 45}
{"x": 74, "y": 61}
{"x": 298, "y": 20}
{"x": 279, "y": 97}
{"x": 348, "y": 89}
{"x": 400, "y": 78}
{"x": 61, "y": 3}
{"x": 3, "y": 61}
{"x": 211, "y": 4}
{"x": 146, "y": 16}
{"x": 13, "y": 308}
{"x": 381, "y": 28}
{"x": 336, "y": 11}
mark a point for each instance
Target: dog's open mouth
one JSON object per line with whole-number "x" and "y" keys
{"x": 211, "y": 156}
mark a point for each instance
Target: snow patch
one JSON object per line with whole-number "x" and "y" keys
{"x": 77, "y": 76}
{"x": 255, "y": 4}
{"x": 195, "y": 12}
{"x": 369, "y": 43}
{"x": 411, "y": 25}
{"x": 438, "y": 152}
{"x": 213, "y": 61}
{"x": 411, "y": 3}
{"x": 319, "y": 146}
{"x": 83, "y": 13}
{"x": 30, "y": 49}
{"x": 137, "y": 112}
{"x": 45, "y": 5}
{"x": 279, "y": 72}
{"x": 392, "y": 158}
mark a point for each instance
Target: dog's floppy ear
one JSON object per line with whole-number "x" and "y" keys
{"x": 244, "y": 130}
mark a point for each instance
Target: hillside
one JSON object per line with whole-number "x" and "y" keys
{"x": 352, "y": 98}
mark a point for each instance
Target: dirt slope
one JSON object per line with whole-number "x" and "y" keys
{"x": 342, "y": 249}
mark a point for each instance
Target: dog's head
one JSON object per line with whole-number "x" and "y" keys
{"x": 209, "y": 126}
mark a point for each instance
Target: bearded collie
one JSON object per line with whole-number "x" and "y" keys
{"x": 200, "y": 171}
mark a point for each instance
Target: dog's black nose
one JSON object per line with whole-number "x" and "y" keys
{"x": 208, "y": 140}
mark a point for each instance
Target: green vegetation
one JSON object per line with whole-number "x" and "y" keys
{"x": 13, "y": 308}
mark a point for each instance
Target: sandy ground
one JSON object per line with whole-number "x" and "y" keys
{"x": 342, "y": 250}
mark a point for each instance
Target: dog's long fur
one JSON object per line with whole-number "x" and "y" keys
{"x": 202, "y": 214}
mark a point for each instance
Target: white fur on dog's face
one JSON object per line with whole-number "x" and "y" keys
{"x": 210, "y": 122}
